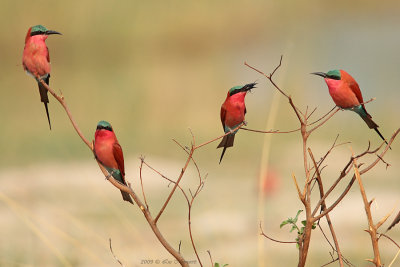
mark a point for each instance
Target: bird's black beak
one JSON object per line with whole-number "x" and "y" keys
{"x": 322, "y": 74}
{"x": 248, "y": 87}
{"x": 49, "y": 32}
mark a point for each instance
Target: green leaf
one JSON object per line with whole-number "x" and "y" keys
{"x": 218, "y": 265}
{"x": 284, "y": 223}
{"x": 297, "y": 215}
{"x": 304, "y": 222}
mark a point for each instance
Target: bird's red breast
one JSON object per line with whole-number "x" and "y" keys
{"x": 345, "y": 92}
{"x": 108, "y": 151}
{"x": 233, "y": 110}
{"x": 35, "y": 58}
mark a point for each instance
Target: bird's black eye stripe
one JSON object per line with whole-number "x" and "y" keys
{"x": 333, "y": 77}
{"x": 37, "y": 33}
{"x": 236, "y": 91}
{"x": 100, "y": 127}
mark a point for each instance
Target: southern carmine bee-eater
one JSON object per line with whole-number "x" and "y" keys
{"x": 36, "y": 60}
{"x": 232, "y": 114}
{"x": 108, "y": 153}
{"x": 346, "y": 94}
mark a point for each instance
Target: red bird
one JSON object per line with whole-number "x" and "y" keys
{"x": 346, "y": 94}
{"x": 36, "y": 60}
{"x": 109, "y": 153}
{"x": 232, "y": 114}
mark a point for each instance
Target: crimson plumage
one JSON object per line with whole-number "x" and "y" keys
{"x": 36, "y": 59}
{"x": 109, "y": 153}
{"x": 233, "y": 111}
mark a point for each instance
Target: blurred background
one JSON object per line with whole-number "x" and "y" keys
{"x": 156, "y": 68}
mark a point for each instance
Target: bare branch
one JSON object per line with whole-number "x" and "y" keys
{"x": 383, "y": 220}
{"x": 114, "y": 255}
{"x": 141, "y": 181}
{"x": 169, "y": 180}
{"x": 397, "y": 245}
{"x": 222, "y": 136}
{"x": 271, "y": 131}
{"x": 175, "y": 186}
{"x": 325, "y": 120}
{"x": 323, "y": 206}
{"x": 301, "y": 196}
{"x": 64, "y": 104}
{"x": 275, "y": 240}
{"x": 209, "y": 253}
{"x": 372, "y": 229}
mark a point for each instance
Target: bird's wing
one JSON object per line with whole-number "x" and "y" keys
{"x": 223, "y": 116}
{"x": 48, "y": 54}
{"x": 356, "y": 90}
{"x": 119, "y": 158}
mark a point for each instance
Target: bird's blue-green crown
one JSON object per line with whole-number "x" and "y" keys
{"x": 39, "y": 29}
{"x": 104, "y": 125}
{"x": 241, "y": 88}
{"x": 235, "y": 89}
{"x": 333, "y": 74}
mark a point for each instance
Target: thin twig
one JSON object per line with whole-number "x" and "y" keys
{"x": 332, "y": 261}
{"x": 314, "y": 122}
{"x": 115, "y": 257}
{"x": 147, "y": 215}
{"x": 372, "y": 229}
{"x": 388, "y": 237}
{"x": 324, "y": 121}
{"x": 344, "y": 172}
{"x": 272, "y": 131}
{"x": 222, "y": 136}
{"x": 175, "y": 186}
{"x": 141, "y": 181}
{"x": 275, "y": 240}
{"x": 64, "y": 104}
{"x": 323, "y": 206}
{"x": 209, "y": 253}
{"x": 271, "y": 74}
{"x": 169, "y": 180}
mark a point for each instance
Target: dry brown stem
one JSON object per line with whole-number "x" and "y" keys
{"x": 372, "y": 228}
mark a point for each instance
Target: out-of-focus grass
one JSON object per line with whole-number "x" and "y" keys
{"x": 153, "y": 69}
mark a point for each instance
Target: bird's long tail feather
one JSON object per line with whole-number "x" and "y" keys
{"x": 226, "y": 142}
{"x": 126, "y": 196}
{"x": 44, "y": 98}
{"x": 383, "y": 138}
{"x": 371, "y": 124}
